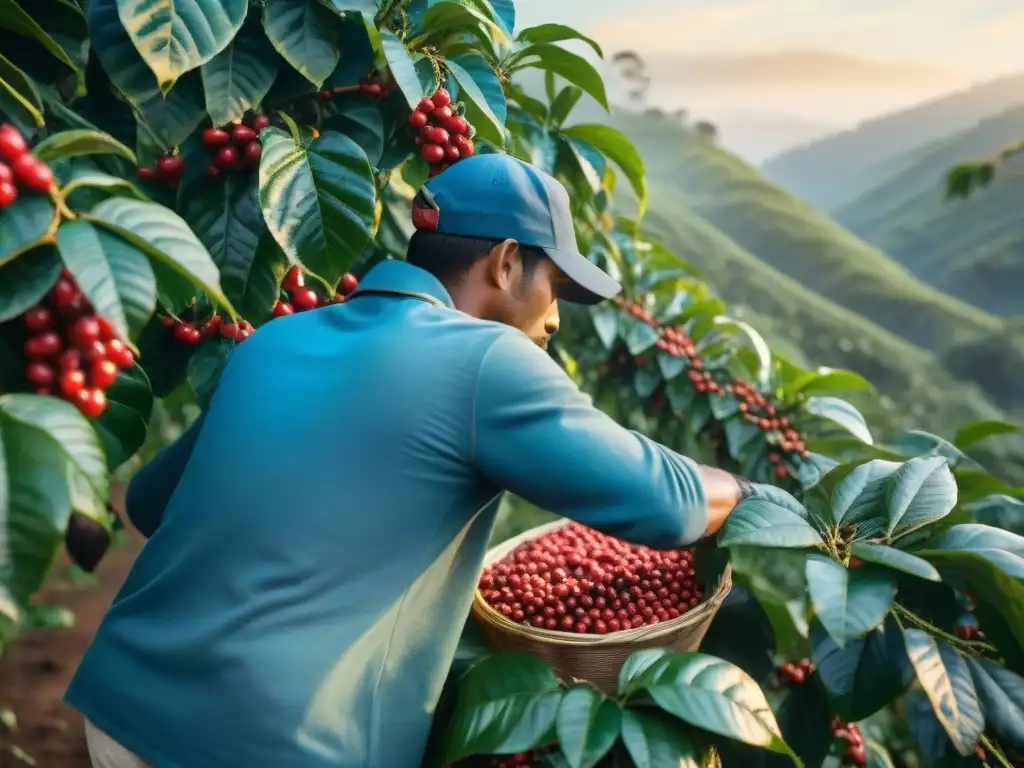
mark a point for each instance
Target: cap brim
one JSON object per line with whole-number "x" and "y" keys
{"x": 589, "y": 284}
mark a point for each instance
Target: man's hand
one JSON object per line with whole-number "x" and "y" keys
{"x": 724, "y": 491}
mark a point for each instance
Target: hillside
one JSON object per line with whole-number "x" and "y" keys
{"x": 798, "y": 240}
{"x": 834, "y": 169}
{"x": 972, "y": 249}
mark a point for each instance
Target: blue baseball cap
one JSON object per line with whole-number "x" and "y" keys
{"x": 497, "y": 196}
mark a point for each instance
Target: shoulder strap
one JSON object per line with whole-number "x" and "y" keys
{"x": 395, "y": 292}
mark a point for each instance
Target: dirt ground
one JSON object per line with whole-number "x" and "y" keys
{"x": 37, "y": 668}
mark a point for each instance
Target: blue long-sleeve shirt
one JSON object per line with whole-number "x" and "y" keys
{"x": 316, "y": 537}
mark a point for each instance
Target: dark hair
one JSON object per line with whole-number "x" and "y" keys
{"x": 450, "y": 257}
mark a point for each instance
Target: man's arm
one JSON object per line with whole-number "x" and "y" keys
{"x": 539, "y": 437}
{"x": 152, "y": 486}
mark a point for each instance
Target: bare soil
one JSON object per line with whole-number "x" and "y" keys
{"x": 37, "y": 668}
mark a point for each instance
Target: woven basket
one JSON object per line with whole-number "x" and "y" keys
{"x": 594, "y": 658}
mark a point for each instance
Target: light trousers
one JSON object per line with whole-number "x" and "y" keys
{"x": 107, "y": 753}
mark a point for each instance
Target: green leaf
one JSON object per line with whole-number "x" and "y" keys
{"x": 864, "y": 675}
{"x": 849, "y": 604}
{"x": 237, "y": 78}
{"x": 114, "y": 274}
{"x": 563, "y": 63}
{"x": 712, "y": 695}
{"x": 76, "y": 143}
{"x": 587, "y": 725}
{"x": 482, "y": 94}
{"x": 646, "y": 380}
{"x": 654, "y": 740}
{"x": 19, "y": 97}
{"x": 877, "y": 756}
{"x": 361, "y": 120}
{"x": 174, "y": 37}
{"x": 1003, "y": 549}
{"x": 763, "y": 522}
{"x": 403, "y": 68}
{"x": 827, "y": 380}
{"x": 946, "y": 681}
{"x": 24, "y": 281}
{"x": 975, "y": 431}
{"x": 861, "y": 495}
{"x": 639, "y": 336}
{"x": 555, "y": 33}
{"x": 16, "y": 19}
{"x": 842, "y": 413}
{"x": 167, "y": 240}
{"x": 620, "y": 150}
{"x": 124, "y": 425}
{"x": 1001, "y": 693}
{"x": 23, "y": 225}
{"x": 505, "y": 703}
{"x": 920, "y": 492}
{"x": 226, "y": 217}
{"x": 206, "y": 366}
{"x": 896, "y": 559}
{"x": 304, "y": 34}
{"x": 635, "y": 667}
{"x": 318, "y": 201}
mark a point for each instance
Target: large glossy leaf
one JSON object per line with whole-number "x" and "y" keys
{"x": 555, "y": 33}
{"x": 23, "y": 225}
{"x": 14, "y": 17}
{"x": 840, "y": 412}
{"x": 896, "y": 559}
{"x": 860, "y": 496}
{"x": 574, "y": 68}
{"x": 361, "y": 120}
{"x": 113, "y": 273}
{"x": 305, "y": 35}
{"x": 1001, "y": 693}
{"x": 123, "y": 426}
{"x": 206, "y": 367}
{"x": 481, "y": 92}
{"x": 25, "y": 281}
{"x": 403, "y": 68}
{"x": 827, "y": 380}
{"x": 19, "y": 98}
{"x": 167, "y": 240}
{"x": 176, "y": 37}
{"x": 849, "y": 604}
{"x": 920, "y": 492}
{"x": 318, "y": 201}
{"x": 237, "y": 78}
{"x": 75, "y": 143}
{"x": 587, "y": 725}
{"x": 864, "y": 675}
{"x": 226, "y": 217}
{"x": 654, "y": 740}
{"x": 1002, "y": 548}
{"x": 505, "y": 704}
{"x": 620, "y": 150}
{"x": 712, "y": 695}
{"x": 762, "y": 522}
{"x": 946, "y": 681}
{"x": 975, "y": 431}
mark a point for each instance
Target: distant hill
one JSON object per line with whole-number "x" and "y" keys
{"x": 757, "y": 135}
{"x": 972, "y": 249}
{"x": 798, "y": 240}
{"x": 835, "y": 169}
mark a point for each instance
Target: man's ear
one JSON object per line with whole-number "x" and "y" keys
{"x": 505, "y": 266}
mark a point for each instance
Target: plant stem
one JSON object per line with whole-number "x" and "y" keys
{"x": 992, "y": 749}
{"x": 913, "y": 618}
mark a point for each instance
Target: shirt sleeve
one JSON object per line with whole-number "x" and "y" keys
{"x": 151, "y": 488}
{"x": 539, "y": 437}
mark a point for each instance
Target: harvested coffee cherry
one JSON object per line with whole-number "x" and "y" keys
{"x": 578, "y": 580}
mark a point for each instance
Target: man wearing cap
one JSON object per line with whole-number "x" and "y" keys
{"x": 316, "y": 536}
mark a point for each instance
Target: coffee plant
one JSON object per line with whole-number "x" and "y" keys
{"x": 172, "y": 180}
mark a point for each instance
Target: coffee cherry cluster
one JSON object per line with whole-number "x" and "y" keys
{"x": 531, "y": 759}
{"x": 167, "y": 171}
{"x": 191, "y": 333}
{"x": 754, "y": 406}
{"x": 297, "y": 297}
{"x": 578, "y": 580}
{"x": 19, "y": 168}
{"x": 371, "y": 85}
{"x": 854, "y": 753}
{"x": 795, "y": 672}
{"x": 73, "y": 353}
{"x": 235, "y": 147}
{"x": 443, "y": 135}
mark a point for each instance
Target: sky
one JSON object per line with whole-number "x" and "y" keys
{"x": 800, "y": 66}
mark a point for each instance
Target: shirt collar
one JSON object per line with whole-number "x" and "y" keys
{"x": 398, "y": 275}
